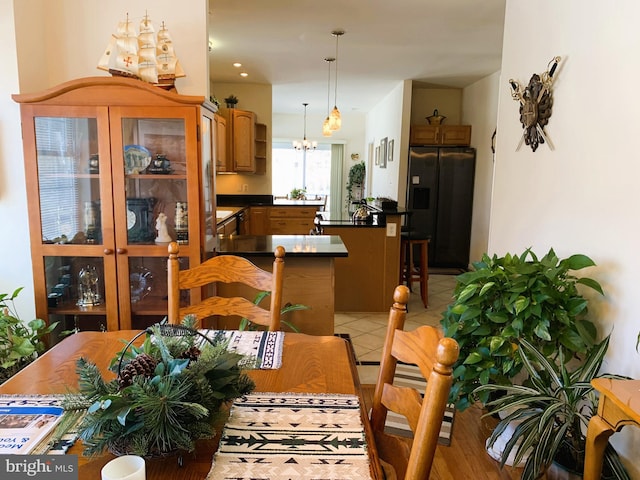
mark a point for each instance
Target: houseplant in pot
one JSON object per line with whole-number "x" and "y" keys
{"x": 20, "y": 342}
{"x": 552, "y": 407}
{"x": 505, "y": 299}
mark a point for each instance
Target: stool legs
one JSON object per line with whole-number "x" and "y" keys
{"x": 409, "y": 272}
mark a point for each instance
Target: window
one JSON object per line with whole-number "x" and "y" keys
{"x": 292, "y": 168}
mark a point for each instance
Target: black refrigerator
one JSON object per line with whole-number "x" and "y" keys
{"x": 440, "y": 197}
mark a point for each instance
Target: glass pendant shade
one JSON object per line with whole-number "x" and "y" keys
{"x": 335, "y": 119}
{"x": 326, "y": 128}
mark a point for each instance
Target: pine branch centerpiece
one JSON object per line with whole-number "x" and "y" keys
{"x": 168, "y": 393}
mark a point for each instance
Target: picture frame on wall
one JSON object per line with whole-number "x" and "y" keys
{"x": 383, "y": 153}
{"x": 377, "y": 157}
{"x": 390, "y": 151}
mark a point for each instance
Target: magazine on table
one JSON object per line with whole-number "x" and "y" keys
{"x": 26, "y": 420}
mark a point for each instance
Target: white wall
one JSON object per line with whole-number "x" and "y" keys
{"x": 387, "y": 120}
{"x": 15, "y": 266}
{"x": 480, "y": 110}
{"x": 580, "y": 197}
{"x": 46, "y": 42}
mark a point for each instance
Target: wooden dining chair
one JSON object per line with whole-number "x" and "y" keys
{"x": 226, "y": 269}
{"x": 434, "y": 355}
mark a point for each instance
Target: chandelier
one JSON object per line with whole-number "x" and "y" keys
{"x": 335, "y": 119}
{"x": 305, "y": 144}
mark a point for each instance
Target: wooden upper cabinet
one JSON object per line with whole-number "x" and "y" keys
{"x": 246, "y": 148}
{"x": 220, "y": 134}
{"x": 440, "y": 135}
{"x": 243, "y": 134}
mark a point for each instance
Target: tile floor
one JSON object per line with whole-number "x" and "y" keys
{"x": 367, "y": 330}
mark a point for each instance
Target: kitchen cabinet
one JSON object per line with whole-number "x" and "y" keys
{"x": 246, "y": 143}
{"x": 112, "y": 165}
{"x": 259, "y": 220}
{"x": 291, "y": 220}
{"x": 220, "y": 153}
{"x": 440, "y": 135}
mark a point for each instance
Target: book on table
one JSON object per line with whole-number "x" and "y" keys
{"x": 25, "y": 421}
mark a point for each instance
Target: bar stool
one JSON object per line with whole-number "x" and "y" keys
{"x": 409, "y": 271}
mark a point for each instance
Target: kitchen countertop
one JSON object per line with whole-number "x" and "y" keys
{"x": 294, "y": 245}
{"x": 378, "y": 219}
{"x": 225, "y": 213}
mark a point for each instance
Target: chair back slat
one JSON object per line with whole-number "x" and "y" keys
{"x": 434, "y": 355}
{"x": 226, "y": 269}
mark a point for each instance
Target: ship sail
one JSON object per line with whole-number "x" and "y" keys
{"x": 147, "y": 67}
{"x": 169, "y": 67}
{"x": 141, "y": 54}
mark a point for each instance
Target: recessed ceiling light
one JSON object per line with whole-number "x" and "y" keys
{"x": 237, "y": 65}
{"x": 244, "y": 74}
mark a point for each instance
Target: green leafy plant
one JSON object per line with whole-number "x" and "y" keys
{"x": 505, "y": 299}
{"x": 553, "y": 408}
{"x": 356, "y": 179}
{"x": 298, "y": 194}
{"x": 231, "y": 100}
{"x": 246, "y": 324}
{"x": 168, "y": 393}
{"x": 20, "y": 343}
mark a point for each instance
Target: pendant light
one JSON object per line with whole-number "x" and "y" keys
{"x": 305, "y": 144}
{"x": 335, "y": 119}
{"x": 326, "y": 128}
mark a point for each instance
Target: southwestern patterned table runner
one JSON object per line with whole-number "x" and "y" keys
{"x": 287, "y": 436}
{"x": 263, "y": 348}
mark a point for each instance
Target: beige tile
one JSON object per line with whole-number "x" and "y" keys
{"x": 367, "y": 330}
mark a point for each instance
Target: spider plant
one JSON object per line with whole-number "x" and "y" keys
{"x": 553, "y": 406}
{"x": 246, "y": 324}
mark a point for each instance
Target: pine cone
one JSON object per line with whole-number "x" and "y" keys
{"x": 143, "y": 364}
{"x": 191, "y": 353}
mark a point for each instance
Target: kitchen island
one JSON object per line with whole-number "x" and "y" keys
{"x": 366, "y": 279}
{"x": 309, "y": 275}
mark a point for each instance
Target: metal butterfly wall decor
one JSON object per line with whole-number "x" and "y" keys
{"x": 535, "y": 106}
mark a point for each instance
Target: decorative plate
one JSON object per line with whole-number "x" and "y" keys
{"x": 141, "y": 283}
{"x": 136, "y": 159}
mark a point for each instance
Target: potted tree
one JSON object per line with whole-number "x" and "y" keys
{"x": 355, "y": 183}
{"x": 552, "y": 407}
{"x": 506, "y": 299}
{"x": 20, "y": 343}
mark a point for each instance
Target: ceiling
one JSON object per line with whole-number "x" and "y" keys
{"x": 444, "y": 43}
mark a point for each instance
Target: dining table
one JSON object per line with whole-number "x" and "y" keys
{"x": 311, "y": 364}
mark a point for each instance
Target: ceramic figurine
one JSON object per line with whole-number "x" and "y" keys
{"x": 161, "y": 226}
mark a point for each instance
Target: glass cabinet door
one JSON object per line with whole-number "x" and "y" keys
{"x": 69, "y": 172}
{"x": 155, "y": 187}
{"x": 156, "y": 201}
{"x": 68, "y": 166}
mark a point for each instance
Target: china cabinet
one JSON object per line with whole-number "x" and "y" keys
{"x": 114, "y": 168}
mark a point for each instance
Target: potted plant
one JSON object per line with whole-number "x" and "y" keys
{"x": 231, "y": 101}
{"x": 298, "y": 194}
{"x": 506, "y": 299}
{"x": 167, "y": 394}
{"x": 246, "y": 324}
{"x": 552, "y": 407}
{"x": 20, "y": 343}
{"x": 355, "y": 182}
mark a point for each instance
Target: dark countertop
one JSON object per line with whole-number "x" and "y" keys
{"x": 378, "y": 219}
{"x": 295, "y": 245}
{"x": 223, "y": 200}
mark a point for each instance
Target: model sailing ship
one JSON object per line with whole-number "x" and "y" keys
{"x": 142, "y": 54}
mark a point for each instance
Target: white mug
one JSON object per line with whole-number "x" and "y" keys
{"x": 127, "y": 467}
